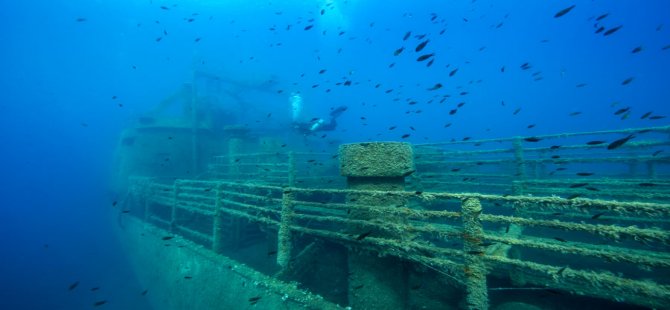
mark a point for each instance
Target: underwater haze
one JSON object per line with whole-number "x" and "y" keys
{"x": 75, "y": 73}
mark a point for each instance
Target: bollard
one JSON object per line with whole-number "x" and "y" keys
{"x": 475, "y": 269}
{"x": 375, "y": 282}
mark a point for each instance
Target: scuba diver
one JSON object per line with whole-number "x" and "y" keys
{"x": 315, "y": 124}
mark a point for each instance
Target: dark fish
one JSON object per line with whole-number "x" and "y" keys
{"x": 627, "y": 81}
{"x": 612, "y": 30}
{"x": 645, "y": 115}
{"x": 532, "y": 139}
{"x": 507, "y": 229}
{"x": 418, "y": 192}
{"x": 93, "y": 289}
{"x": 452, "y": 112}
{"x": 99, "y": 303}
{"x": 363, "y": 235}
{"x": 560, "y": 271}
{"x": 409, "y": 33}
{"x": 573, "y": 196}
{"x": 255, "y": 299}
{"x": 554, "y": 147}
{"x": 655, "y": 117}
{"x": 475, "y": 252}
{"x": 398, "y": 51}
{"x": 584, "y": 174}
{"x": 81, "y": 20}
{"x": 392, "y": 127}
{"x": 159, "y": 39}
{"x": 405, "y": 136}
{"x": 425, "y": 56}
{"x": 165, "y": 8}
{"x": 167, "y": 238}
{"x": 453, "y": 72}
{"x": 592, "y": 189}
{"x": 188, "y": 277}
{"x": 358, "y": 287}
{"x": 114, "y": 203}
{"x": 487, "y": 243}
{"x": 309, "y": 27}
{"x": 272, "y": 253}
{"x": 619, "y": 142}
{"x": 576, "y": 185}
{"x": 421, "y": 45}
{"x": 636, "y": 50}
{"x": 560, "y": 239}
{"x": 564, "y": 11}
{"x": 646, "y": 184}
{"x": 430, "y": 62}
{"x": 516, "y": 111}
{"x": 656, "y": 153}
{"x": 597, "y": 215}
{"x": 602, "y": 16}
{"x": 144, "y": 293}
{"x": 436, "y": 86}
{"x": 595, "y": 142}
{"x": 622, "y": 110}
{"x": 599, "y": 30}
{"x": 73, "y": 286}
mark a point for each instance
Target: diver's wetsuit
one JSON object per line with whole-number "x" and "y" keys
{"x": 320, "y": 124}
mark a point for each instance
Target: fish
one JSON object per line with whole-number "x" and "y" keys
{"x": 612, "y": 30}
{"x": 591, "y": 188}
{"x": 516, "y": 111}
{"x": 602, "y": 16}
{"x": 560, "y": 239}
{"x": 99, "y": 303}
{"x": 599, "y": 30}
{"x": 573, "y": 196}
{"x": 430, "y": 62}
{"x": 144, "y": 293}
{"x": 409, "y": 33}
{"x": 617, "y": 143}
{"x": 358, "y": 287}
{"x": 554, "y": 147}
{"x": 655, "y": 117}
{"x": 584, "y": 174}
{"x": 398, "y": 51}
{"x": 453, "y": 72}
{"x": 254, "y": 300}
{"x": 405, "y": 136}
{"x": 532, "y": 139}
{"x": 425, "y": 56}
{"x": 476, "y": 252}
{"x": 93, "y": 289}
{"x": 167, "y": 238}
{"x": 487, "y": 243}
{"x": 597, "y": 215}
{"x": 636, "y": 50}
{"x": 627, "y": 81}
{"x": 622, "y": 110}
{"x": 363, "y": 235}
{"x": 645, "y": 115}
{"x": 392, "y": 127}
{"x": 73, "y": 286}
{"x": 80, "y": 20}
{"x": 435, "y": 87}
{"x": 188, "y": 277}
{"x": 507, "y": 228}
{"x": 560, "y": 271}
{"x": 564, "y": 11}
{"x": 595, "y": 142}
{"x": 647, "y": 184}
{"x": 452, "y": 112}
{"x": 270, "y": 253}
{"x": 576, "y": 185}
{"x": 656, "y": 153}
{"x": 308, "y": 27}
{"x": 421, "y": 45}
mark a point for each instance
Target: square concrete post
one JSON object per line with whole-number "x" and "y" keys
{"x": 376, "y": 282}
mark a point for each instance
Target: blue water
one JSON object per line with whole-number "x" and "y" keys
{"x": 59, "y": 123}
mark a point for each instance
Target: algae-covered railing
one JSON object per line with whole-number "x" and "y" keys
{"x": 520, "y": 165}
{"x": 464, "y": 236}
